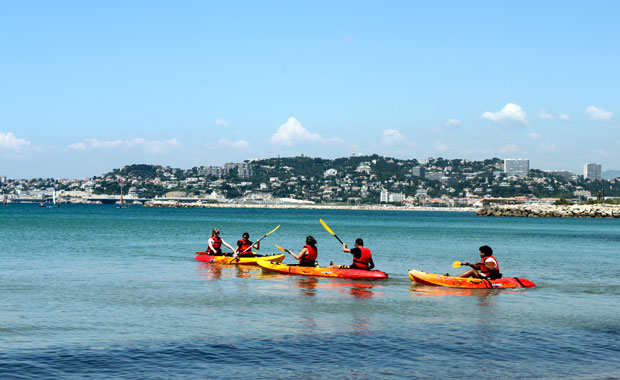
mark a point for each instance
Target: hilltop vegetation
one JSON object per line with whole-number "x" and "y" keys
{"x": 360, "y": 177}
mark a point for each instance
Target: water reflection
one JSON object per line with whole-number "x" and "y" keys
{"x": 307, "y": 285}
{"x": 247, "y": 271}
{"x": 210, "y": 271}
{"x": 360, "y": 290}
{"x": 433, "y": 291}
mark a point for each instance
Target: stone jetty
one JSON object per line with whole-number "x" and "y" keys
{"x": 553, "y": 211}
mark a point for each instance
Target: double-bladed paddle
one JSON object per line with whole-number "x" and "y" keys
{"x": 284, "y": 249}
{"x": 330, "y": 230}
{"x": 267, "y": 234}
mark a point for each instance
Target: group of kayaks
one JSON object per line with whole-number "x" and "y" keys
{"x": 273, "y": 263}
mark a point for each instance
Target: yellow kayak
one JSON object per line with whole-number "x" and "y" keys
{"x": 319, "y": 271}
{"x": 250, "y": 260}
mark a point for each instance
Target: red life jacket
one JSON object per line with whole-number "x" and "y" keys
{"x": 310, "y": 256}
{"x": 243, "y": 245}
{"x": 486, "y": 271}
{"x": 364, "y": 259}
{"x": 217, "y": 245}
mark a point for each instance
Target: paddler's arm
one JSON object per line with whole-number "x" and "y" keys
{"x": 371, "y": 264}
{"x": 475, "y": 265}
{"x": 304, "y": 250}
{"x": 257, "y": 245}
{"x": 228, "y": 245}
{"x": 345, "y": 249}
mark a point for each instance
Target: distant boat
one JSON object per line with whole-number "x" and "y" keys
{"x": 4, "y": 201}
{"x": 122, "y": 203}
{"x": 53, "y": 204}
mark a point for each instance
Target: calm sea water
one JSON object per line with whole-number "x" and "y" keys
{"x": 98, "y": 292}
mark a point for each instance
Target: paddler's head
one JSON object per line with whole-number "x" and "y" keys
{"x": 485, "y": 251}
{"x": 216, "y": 231}
{"x": 359, "y": 242}
{"x": 246, "y": 236}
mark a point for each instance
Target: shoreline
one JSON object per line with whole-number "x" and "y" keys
{"x": 176, "y": 204}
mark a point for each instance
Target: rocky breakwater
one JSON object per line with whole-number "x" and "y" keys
{"x": 552, "y": 211}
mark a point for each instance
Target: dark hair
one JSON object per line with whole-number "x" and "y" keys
{"x": 488, "y": 251}
{"x": 245, "y": 234}
{"x": 310, "y": 240}
{"x": 359, "y": 242}
{"x": 215, "y": 231}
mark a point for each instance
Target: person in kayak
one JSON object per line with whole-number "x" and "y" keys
{"x": 362, "y": 258}
{"x": 487, "y": 267}
{"x": 308, "y": 254}
{"x": 214, "y": 244}
{"x": 244, "y": 246}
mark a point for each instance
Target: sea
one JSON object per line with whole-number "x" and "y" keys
{"x": 98, "y": 292}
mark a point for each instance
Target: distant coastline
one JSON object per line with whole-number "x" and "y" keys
{"x": 176, "y": 204}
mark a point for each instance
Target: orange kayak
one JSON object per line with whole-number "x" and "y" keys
{"x": 320, "y": 271}
{"x": 433, "y": 279}
{"x": 250, "y": 260}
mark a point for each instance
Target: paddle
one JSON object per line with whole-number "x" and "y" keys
{"x": 267, "y": 234}
{"x": 330, "y": 230}
{"x": 457, "y": 264}
{"x": 283, "y": 249}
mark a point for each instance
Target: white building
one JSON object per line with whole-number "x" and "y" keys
{"x": 516, "y": 167}
{"x": 592, "y": 171}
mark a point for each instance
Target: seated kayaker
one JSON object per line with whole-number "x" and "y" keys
{"x": 487, "y": 267}
{"x": 362, "y": 258}
{"x": 214, "y": 244}
{"x": 308, "y": 254}
{"x": 244, "y": 246}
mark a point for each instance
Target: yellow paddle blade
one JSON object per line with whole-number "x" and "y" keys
{"x": 456, "y": 264}
{"x": 280, "y": 248}
{"x": 327, "y": 227}
{"x": 269, "y": 233}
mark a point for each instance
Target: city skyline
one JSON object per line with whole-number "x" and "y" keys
{"x": 87, "y": 88}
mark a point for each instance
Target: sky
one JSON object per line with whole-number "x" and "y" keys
{"x": 87, "y": 87}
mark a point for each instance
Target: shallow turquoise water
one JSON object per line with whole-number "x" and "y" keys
{"x": 100, "y": 292}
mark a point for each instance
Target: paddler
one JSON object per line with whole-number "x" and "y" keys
{"x": 307, "y": 256}
{"x": 214, "y": 244}
{"x": 487, "y": 267}
{"x": 362, "y": 258}
{"x": 244, "y": 246}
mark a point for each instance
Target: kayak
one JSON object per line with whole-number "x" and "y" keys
{"x": 468, "y": 283}
{"x": 251, "y": 260}
{"x": 319, "y": 271}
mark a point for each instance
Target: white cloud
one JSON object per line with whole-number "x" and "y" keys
{"x": 223, "y": 143}
{"x": 440, "y": 146}
{"x": 9, "y": 141}
{"x": 77, "y": 146}
{"x": 453, "y": 123}
{"x": 292, "y": 132}
{"x": 510, "y": 148}
{"x": 533, "y": 136}
{"x": 597, "y": 113}
{"x": 510, "y": 112}
{"x": 564, "y": 116}
{"x": 221, "y": 123}
{"x": 544, "y": 114}
{"x": 151, "y": 147}
{"x": 392, "y": 137}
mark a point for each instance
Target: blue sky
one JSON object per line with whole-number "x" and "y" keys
{"x": 86, "y": 87}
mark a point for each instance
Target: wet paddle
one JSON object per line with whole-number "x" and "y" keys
{"x": 457, "y": 264}
{"x": 245, "y": 250}
{"x": 330, "y": 230}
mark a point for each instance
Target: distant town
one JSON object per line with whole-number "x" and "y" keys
{"x": 349, "y": 181}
